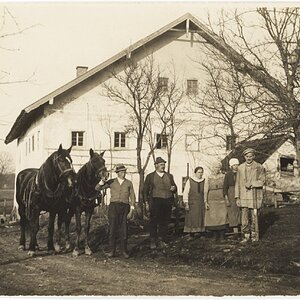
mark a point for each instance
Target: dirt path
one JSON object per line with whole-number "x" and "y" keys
{"x": 96, "y": 275}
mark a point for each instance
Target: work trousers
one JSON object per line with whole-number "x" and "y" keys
{"x": 249, "y": 220}
{"x": 117, "y": 218}
{"x": 160, "y": 215}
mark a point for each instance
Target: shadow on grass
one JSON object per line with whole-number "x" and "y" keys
{"x": 266, "y": 221}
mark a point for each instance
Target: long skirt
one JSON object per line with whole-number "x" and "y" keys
{"x": 194, "y": 217}
{"x": 234, "y": 212}
{"x": 216, "y": 216}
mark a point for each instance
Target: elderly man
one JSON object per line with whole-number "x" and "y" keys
{"x": 159, "y": 190}
{"x": 249, "y": 194}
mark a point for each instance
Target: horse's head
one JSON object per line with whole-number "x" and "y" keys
{"x": 63, "y": 165}
{"x": 97, "y": 163}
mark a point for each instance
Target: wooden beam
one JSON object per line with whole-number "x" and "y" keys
{"x": 187, "y": 27}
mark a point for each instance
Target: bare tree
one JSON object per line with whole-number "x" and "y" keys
{"x": 9, "y": 27}
{"x": 167, "y": 110}
{"x": 6, "y": 167}
{"x": 265, "y": 45}
{"x": 138, "y": 89}
{"x": 227, "y": 101}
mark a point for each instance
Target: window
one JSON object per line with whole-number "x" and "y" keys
{"x": 29, "y": 145}
{"x": 192, "y": 87}
{"x": 119, "y": 140}
{"x": 163, "y": 83}
{"x": 192, "y": 142}
{"x": 77, "y": 138}
{"x": 26, "y": 149}
{"x": 161, "y": 141}
{"x": 230, "y": 142}
{"x": 287, "y": 164}
{"x": 32, "y": 143}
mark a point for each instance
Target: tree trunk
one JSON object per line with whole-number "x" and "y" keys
{"x": 169, "y": 160}
{"x": 140, "y": 193}
{"x": 297, "y": 145}
{"x": 141, "y": 179}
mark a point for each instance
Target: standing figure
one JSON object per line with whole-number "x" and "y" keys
{"x": 194, "y": 196}
{"x": 234, "y": 214}
{"x": 159, "y": 191}
{"x": 249, "y": 194}
{"x": 216, "y": 219}
{"x": 121, "y": 190}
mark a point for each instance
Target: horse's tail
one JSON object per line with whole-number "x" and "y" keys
{"x": 22, "y": 196}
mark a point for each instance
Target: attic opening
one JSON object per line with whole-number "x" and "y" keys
{"x": 286, "y": 164}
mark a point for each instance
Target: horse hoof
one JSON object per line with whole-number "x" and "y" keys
{"x": 57, "y": 248}
{"x": 88, "y": 251}
{"x": 51, "y": 252}
{"x": 31, "y": 253}
{"x": 75, "y": 253}
{"x": 21, "y": 247}
{"x": 68, "y": 246}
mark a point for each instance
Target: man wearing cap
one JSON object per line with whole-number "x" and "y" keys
{"x": 249, "y": 194}
{"x": 122, "y": 202}
{"x": 159, "y": 191}
{"x": 233, "y": 211}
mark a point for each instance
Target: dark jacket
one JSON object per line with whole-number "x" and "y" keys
{"x": 148, "y": 186}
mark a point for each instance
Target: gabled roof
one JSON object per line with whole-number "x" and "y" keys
{"x": 31, "y": 112}
{"x": 264, "y": 148}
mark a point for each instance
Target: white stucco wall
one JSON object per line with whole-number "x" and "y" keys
{"x": 86, "y": 109}
{"x": 286, "y": 149}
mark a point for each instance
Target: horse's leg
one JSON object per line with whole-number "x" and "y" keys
{"x": 60, "y": 220}
{"x": 23, "y": 222}
{"x": 88, "y": 215}
{"x": 51, "y": 220}
{"x": 34, "y": 228}
{"x": 78, "y": 231}
{"x": 69, "y": 216}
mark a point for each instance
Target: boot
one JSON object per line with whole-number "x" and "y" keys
{"x": 217, "y": 235}
{"x": 254, "y": 236}
{"x": 112, "y": 251}
{"x": 246, "y": 238}
{"x": 222, "y": 235}
{"x": 124, "y": 249}
{"x": 153, "y": 244}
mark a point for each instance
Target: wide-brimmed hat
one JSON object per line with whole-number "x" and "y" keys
{"x": 248, "y": 150}
{"x": 233, "y": 161}
{"x": 159, "y": 160}
{"x": 120, "y": 168}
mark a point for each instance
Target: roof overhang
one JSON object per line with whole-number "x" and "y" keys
{"x": 28, "y": 114}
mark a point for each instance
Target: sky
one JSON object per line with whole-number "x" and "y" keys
{"x": 62, "y": 36}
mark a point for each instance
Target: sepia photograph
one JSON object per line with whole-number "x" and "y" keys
{"x": 149, "y": 148}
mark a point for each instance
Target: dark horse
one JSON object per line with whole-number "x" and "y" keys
{"x": 48, "y": 188}
{"x": 86, "y": 198}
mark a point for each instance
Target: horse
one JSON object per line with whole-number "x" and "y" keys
{"x": 49, "y": 189}
{"x": 86, "y": 198}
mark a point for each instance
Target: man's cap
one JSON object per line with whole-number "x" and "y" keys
{"x": 120, "y": 168}
{"x": 233, "y": 161}
{"x": 248, "y": 150}
{"x": 159, "y": 160}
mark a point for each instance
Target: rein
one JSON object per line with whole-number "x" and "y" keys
{"x": 85, "y": 182}
{"x": 58, "y": 191}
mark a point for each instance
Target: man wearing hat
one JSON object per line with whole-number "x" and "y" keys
{"x": 249, "y": 194}
{"x": 233, "y": 211}
{"x": 122, "y": 202}
{"x": 159, "y": 191}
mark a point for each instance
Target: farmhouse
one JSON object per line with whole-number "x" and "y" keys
{"x": 79, "y": 114}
